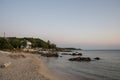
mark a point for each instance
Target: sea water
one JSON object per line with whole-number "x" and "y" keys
{"x": 108, "y": 68}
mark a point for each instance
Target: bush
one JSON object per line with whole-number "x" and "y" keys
{"x": 4, "y": 44}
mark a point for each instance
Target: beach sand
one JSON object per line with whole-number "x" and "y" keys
{"x": 24, "y": 66}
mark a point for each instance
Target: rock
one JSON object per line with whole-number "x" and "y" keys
{"x": 97, "y": 58}
{"x": 5, "y": 65}
{"x": 80, "y": 59}
{"x": 61, "y": 56}
{"x": 50, "y": 54}
{"x": 76, "y": 54}
{"x": 73, "y": 54}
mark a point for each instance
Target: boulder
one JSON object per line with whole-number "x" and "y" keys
{"x": 50, "y": 54}
{"x": 80, "y": 59}
{"x": 76, "y": 54}
{"x": 97, "y": 58}
{"x": 73, "y": 54}
{"x": 61, "y": 56}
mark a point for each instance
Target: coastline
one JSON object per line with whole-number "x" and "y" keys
{"x": 27, "y": 67}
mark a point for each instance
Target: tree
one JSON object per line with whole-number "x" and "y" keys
{"x": 15, "y": 42}
{"x": 48, "y": 43}
{"x": 23, "y": 43}
{"x": 4, "y": 44}
{"x": 53, "y": 46}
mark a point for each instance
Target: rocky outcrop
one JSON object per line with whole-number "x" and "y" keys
{"x": 97, "y": 58}
{"x": 80, "y": 59}
{"x": 50, "y": 54}
{"x": 73, "y": 54}
{"x": 76, "y": 54}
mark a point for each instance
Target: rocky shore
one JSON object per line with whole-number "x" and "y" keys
{"x": 23, "y": 66}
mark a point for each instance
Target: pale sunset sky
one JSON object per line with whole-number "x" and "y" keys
{"x": 86, "y": 24}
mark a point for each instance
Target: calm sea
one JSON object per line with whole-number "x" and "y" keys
{"x": 108, "y": 68}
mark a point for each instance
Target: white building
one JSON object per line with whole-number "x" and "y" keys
{"x": 29, "y": 45}
{"x": 26, "y": 44}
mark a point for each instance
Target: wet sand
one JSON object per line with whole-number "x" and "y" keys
{"x": 24, "y": 66}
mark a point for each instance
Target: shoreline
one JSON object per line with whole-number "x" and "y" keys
{"x": 24, "y": 66}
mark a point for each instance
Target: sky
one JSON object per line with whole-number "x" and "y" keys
{"x": 86, "y": 24}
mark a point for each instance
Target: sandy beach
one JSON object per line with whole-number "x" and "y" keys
{"x": 24, "y": 66}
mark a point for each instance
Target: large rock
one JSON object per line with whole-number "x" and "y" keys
{"x": 97, "y": 58}
{"x": 76, "y": 54}
{"x": 80, "y": 59}
{"x": 73, "y": 54}
{"x": 50, "y": 55}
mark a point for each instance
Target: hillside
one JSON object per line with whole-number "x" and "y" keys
{"x": 14, "y": 42}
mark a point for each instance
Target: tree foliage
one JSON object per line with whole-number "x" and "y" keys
{"x": 13, "y": 42}
{"x": 4, "y": 44}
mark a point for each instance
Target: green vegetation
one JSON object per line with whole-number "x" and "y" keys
{"x": 4, "y": 44}
{"x": 17, "y": 43}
